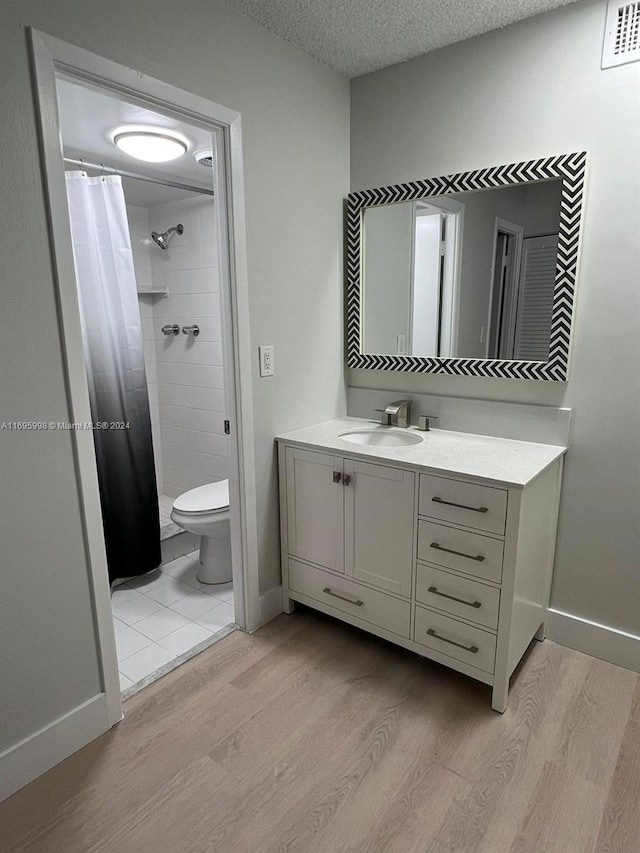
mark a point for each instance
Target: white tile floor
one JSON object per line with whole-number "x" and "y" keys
{"x": 162, "y": 615}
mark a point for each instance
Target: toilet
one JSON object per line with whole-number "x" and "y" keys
{"x": 205, "y": 512}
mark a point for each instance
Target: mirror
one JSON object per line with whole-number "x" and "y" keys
{"x": 470, "y": 274}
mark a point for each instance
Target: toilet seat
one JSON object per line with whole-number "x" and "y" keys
{"x": 204, "y": 511}
{"x": 208, "y": 499}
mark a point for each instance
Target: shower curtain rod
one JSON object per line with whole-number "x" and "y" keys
{"x": 112, "y": 170}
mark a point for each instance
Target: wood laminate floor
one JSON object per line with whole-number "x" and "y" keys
{"x": 311, "y": 736}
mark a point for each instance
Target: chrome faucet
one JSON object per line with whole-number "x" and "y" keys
{"x": 396, "y": 414}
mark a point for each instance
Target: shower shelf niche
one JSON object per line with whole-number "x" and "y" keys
{"x": 157, "y": 293}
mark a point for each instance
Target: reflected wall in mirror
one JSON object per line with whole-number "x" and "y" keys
{"x": 469, "y": 274}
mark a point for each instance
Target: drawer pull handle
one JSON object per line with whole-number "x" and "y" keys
{"x": 478, "y": 557}
{"x": 436, "y": 591}
{"x": 460, "y": 506}
{"x": 355, "y": 601}
{"x": 473, "y": 649}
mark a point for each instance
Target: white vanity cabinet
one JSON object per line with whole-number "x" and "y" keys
{"x": 449, "y": 564}
{"x": 351, "y": 517}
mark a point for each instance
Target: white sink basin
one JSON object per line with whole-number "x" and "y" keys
{"x": 379, "y": 436}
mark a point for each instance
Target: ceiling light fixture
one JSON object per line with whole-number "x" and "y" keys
{"x": 153, "y": 146}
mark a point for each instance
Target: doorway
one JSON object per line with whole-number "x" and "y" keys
{"x": 437, "y": 268}
{"x": 147, "y": 253}
{"x": 54, "y": 60}
{"x": 503, "y": 306}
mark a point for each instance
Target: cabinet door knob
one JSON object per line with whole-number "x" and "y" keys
{"x": 347, "y": 479}
{"x": 337, "y": 476}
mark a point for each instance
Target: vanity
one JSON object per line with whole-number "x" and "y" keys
{"x": 441, "y": 542}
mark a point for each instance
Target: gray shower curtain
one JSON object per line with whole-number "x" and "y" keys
{"x": 113, "y": 349}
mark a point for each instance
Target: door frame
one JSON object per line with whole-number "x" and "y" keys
{"x": 453, "y": 211}
{"x": 51, "y": 56}
{"x": 503, "y": 226}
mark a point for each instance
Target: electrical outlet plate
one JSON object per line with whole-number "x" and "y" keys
{"x": 267, "y": 367}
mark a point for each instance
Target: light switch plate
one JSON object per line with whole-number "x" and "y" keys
{"x": 267, "y": 367}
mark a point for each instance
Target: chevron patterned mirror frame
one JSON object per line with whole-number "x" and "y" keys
{"x": 570, "y": 169}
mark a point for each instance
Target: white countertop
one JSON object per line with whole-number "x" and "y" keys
{"x": 508, "y": 462}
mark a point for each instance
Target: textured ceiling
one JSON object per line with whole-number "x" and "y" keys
{"x": 359, "y": 36}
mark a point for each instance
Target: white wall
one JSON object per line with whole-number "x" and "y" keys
{"x": 442, "y": 114}
{"x": 542, "y": 208}
{"x": 140, "y": 235}
{"x": 476, "y": 280}
{"x": 535, "y": 208}
{"x": 295, "y": 145}
{"x": 195, "y": 449}
{"x": 388, "y": 270}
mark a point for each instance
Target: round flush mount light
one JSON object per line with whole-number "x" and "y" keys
{"x": 153, "y": 146}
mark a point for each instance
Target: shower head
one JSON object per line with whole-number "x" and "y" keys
{"x": 161, "y": 239}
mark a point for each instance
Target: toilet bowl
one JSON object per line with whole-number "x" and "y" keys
{"x": 205, "y": 512}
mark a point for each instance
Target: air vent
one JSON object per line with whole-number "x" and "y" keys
{"x": 204, "y": 157}
{"x": 622, "y": 34}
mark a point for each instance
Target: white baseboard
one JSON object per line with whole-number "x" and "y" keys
{"x": 594, "y": 639}
{"x": 270, "y": 605}
{"x": 25, "y": 761}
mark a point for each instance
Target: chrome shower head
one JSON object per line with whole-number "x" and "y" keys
{"x": 161, "y": 239}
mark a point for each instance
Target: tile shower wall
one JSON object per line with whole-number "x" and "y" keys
{"x": 189, "y": 370}
{"x": 140, "y": 241}
{"x": 140, "y": 244}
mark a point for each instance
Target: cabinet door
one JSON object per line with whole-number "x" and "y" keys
{"x": 379, "y": 519}
{"x": 315, "y": 508}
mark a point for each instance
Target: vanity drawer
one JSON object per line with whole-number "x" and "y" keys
{"x": 482, "y": 507}
{"x": 374, "y": 607}
{"x": 470, "y": 553}
{"x": 459, "y": 596}
{"x": 455, "y": 639}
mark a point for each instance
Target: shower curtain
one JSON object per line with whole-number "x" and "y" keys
{"x": 113, "y": 350}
